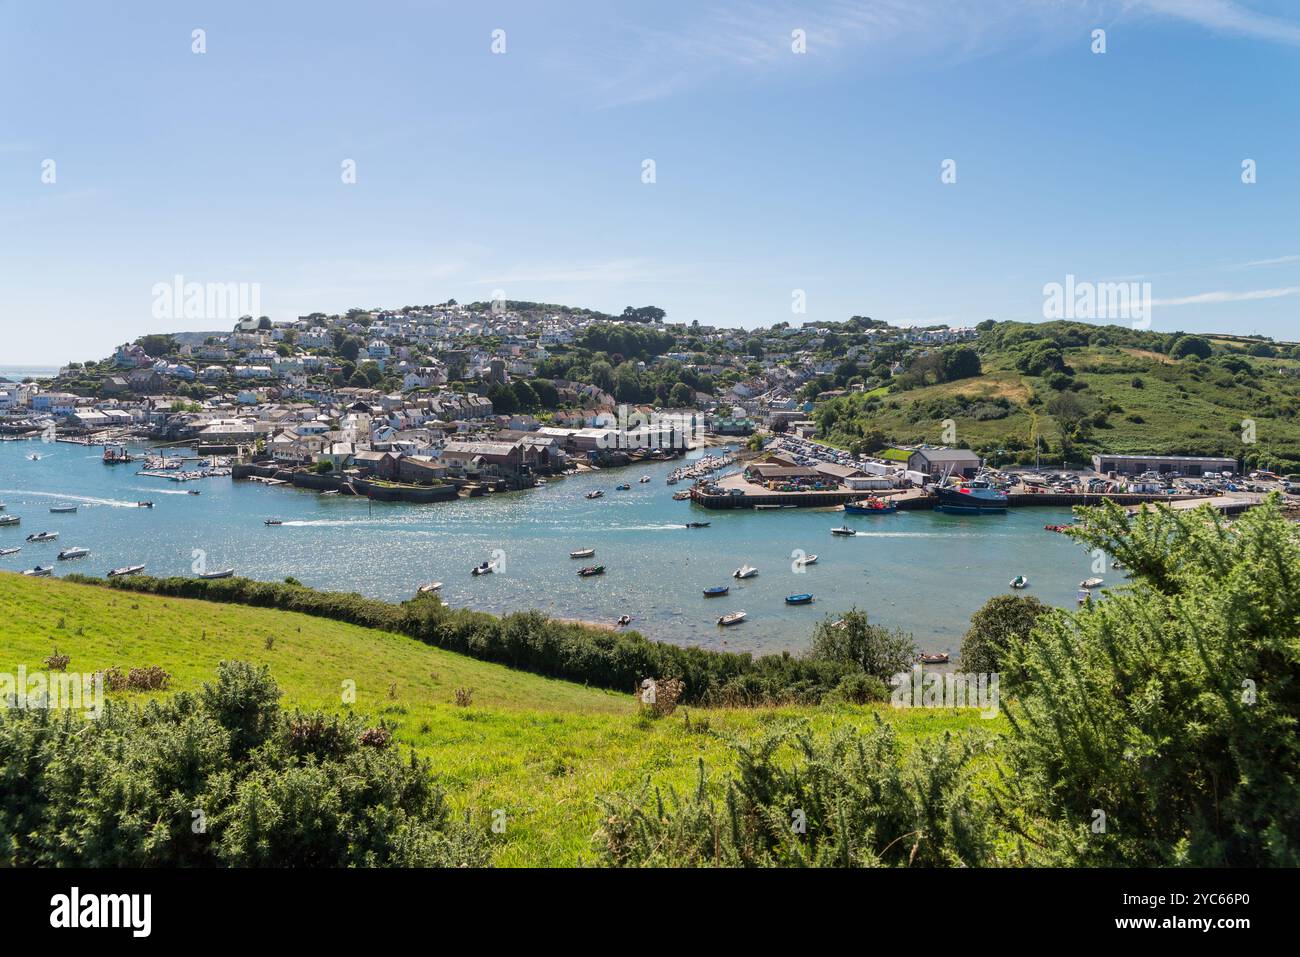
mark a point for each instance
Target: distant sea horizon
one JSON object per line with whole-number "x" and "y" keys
{"x": 18, "y": 373}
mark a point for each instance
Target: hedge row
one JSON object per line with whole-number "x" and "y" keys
{"x": 529, "y": 641}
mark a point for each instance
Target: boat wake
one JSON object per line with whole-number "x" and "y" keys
{"x": 66, "y": 497}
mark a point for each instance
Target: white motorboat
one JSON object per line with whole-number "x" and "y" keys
{"x": 42, "y": 536}
{"x": 1091, "y": 583}
{"x": 40, "y": 571}
{"x": 9, "y": 551}
{"x": 428, "y": 588}
{"x": 70, "y": 553}
{"x": 9, "y": 520}
{"x": 125, "y": 570}
{"x": 745, "y": 571}
{"x": 220, "y": 573}
{"x": 486, "y": 568}
{"x": 734, "y": 618}
{"x": 806, "y": 560}
{"x": 582, "y": 553}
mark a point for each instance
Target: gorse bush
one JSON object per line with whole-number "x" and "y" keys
{"x": 1171, "y": 707}
{"x": 219, "y": 778}
{"x": 853, "y": 800}
{"x": 532, "y": 642}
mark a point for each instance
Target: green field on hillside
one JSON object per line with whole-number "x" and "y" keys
{"x": 540, "y": 750}
{"x": 1126, "y": 399}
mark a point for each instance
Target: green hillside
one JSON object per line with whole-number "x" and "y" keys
{"x": 1080, "y": 389}
{"x": 539, "y": 749}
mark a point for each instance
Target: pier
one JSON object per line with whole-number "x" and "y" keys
{"x": 754, "y": 496}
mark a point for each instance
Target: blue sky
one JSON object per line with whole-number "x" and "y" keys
{"x": 522, "y": 171}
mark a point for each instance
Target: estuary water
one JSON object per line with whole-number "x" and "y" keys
{"x": 922, "y": 571}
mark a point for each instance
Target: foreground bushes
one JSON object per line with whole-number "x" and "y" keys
{"x": 531, "y": 641}
{"x": 224, "y": 778}
{"x": 851, "y": 801}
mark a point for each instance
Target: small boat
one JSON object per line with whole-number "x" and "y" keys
{"x": 194, "y": 491}
{"x": 428, "y": 588}
{"x": 70, "y": 553}
{"x": 125, "y": 570}
{"x": 624, "y": 620}
{"x": 844, "y": 530}
{"x": 798, "y": 599}
{"x": 485, "y": 568}
{"x": 220, "y": 573}
{"x": 595, "y": 493}
{"x": 1083, "y": 596}
{"x": 43, "y": 537}
{"x": 144, "y": 504}
{"x": 717, "y": 591}
{"x": 273, "y": 521}
{"x": 1090, "y": 583}
{"x": 1117, "y": 564}
{"x": 734, "y": 618}
{"x": 40, "y": 571}
{"x": 870, "y": 506}
{"x": 1020, "y": 581}
{"x": 1057, "y": 528}
{"x": 10, "y": 551}
{"x": 672, "y": 480}
{"x": 9, "y": 520}
{"x": 681, "y": 496}
{"x": 643, "y": 479}
{"x": 622, "y": 488}
{"x": 34, "y": 457}
{"x": 62, "y": 509}
{"x": 936, "y": 659}
{"x": 582, "y": 553}
{"x": 745, "y": 571}
{"x": 697, "y": 524}
{"x": 332, "y": 491}
{"x": 806, "y": 560}
{"x": 591, "y": 570}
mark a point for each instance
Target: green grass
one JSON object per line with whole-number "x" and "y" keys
{"x": 539, "y": 749}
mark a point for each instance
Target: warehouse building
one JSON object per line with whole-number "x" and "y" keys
{"x": 1182, "y": 464}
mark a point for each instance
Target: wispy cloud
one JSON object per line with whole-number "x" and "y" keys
{"x": 1223, "y": 295}
{"x": 753, "y": 37}
{"x": 1276, "y": 261}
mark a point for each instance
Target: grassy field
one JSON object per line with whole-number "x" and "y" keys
{"x": 538, "y": 749}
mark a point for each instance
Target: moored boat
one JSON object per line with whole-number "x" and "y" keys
{"x": 1083, "y": 596}
{"x": 975, "y": 497}
{"x": 591, "y": 570}
{"x": 40, "y": 571}
{"x": 624, "y": 620}
{"x": 428, "y": 588}
{"x": 734, "y": 618}
{"x": 483, "y": 568}
{"x": 70, "y": 553}
{"x": 643, "y": 479}
{"x": 595, "y": 493}
{"x": 42, "y": 536}
{"x": 9, "y": 520}
{"x": 716, "y": 591}
{"x": 10, "y": 551}
{"x": 745, "y": 571}
{"x": 870, "y": 506}
{"x": 938, "y": 658}
{"x": 798, "y": 599}
{"x": 125, "y": 570}
{"x": 806, "y": 560}
{"x": 1091, "y": 583}
{"x": 582, "y": 553}
{"x": 220, "y": 573}
{"x": 62, "y": 509}
{"x": 1020, "y": 581}
{"x": 622, "y": 488}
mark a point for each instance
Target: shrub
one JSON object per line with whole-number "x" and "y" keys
{"x": 126, "y": 790}
{"x": 853, "y": 641}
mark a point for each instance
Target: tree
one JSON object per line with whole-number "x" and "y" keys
{"x": 349, "y": 348}
{"x": 997, "y": 634}
{"x": 853, "y": 640}
{"x": 1191, "y": 346}
{"x": 681, "y": 395}
{"x": 602, "y": 376}
{"x": 962, "y": 362}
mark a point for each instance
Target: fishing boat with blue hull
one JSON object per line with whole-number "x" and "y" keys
{"x": 971, "y": 498}
{"x": 716, "y": 591}
{"x": 799, "y": 599}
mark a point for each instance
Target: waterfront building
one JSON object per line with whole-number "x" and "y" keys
{"x": 1182, "y": 464}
